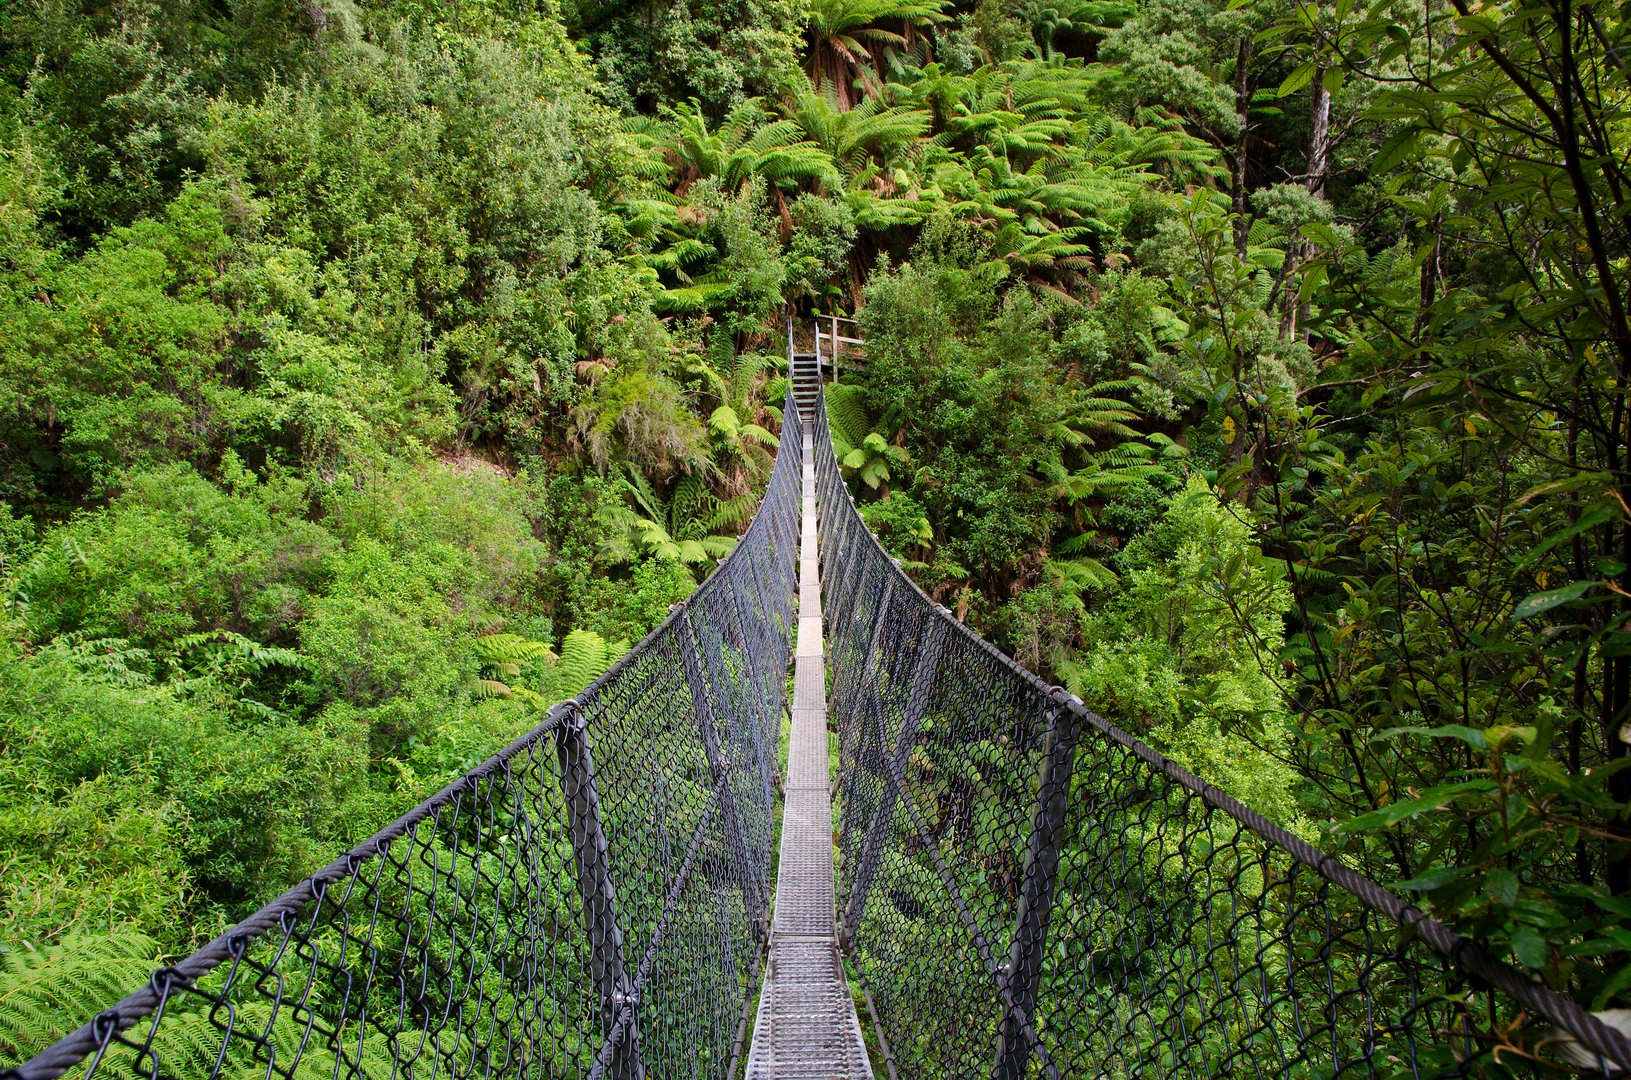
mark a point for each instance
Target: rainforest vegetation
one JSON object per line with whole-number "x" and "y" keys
{"x": 1256, "y": 369}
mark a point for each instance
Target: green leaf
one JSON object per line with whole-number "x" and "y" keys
{"x": 1615, "y": 985}
{"x": 1436, "y": 878}
{"x": 1394, "y": 151}
{"x": 1472, "y": 736}
{"x": 1588, "y": 520}
{"x": 1502, "y": 886}
{"x": 1300, "y": 77}
{"x": 724, "y": 422}
{"x": 1530, "y": 948}
{"x": 1433, "y": 798}
{"x": 1535, "y": 603}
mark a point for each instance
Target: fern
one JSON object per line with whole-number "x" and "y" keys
{"x": 1080, "y": 574}
{"x": 46, "y": 993}
{"x": 693, "y": 299}
{"x": 733, "y": 514}
{"x": 846, "y": 417}
{"x": 680, "y": 527}
{"x": 745, "y": 372}
{"x": 585, "y": 656}
{"x": 502, "y": 657}
{"x": 242, "y": 651}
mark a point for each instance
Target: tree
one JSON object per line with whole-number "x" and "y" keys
{"x": 850, "y": 43}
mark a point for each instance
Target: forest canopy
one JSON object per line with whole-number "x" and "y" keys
{"x": 374, "y": 370}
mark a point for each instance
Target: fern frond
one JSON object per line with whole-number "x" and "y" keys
{"x": 847, "y": 417}
{"x": 584, "y": 656}
{"x": 47, "y": 992}
{"x": 1079, "y": 574}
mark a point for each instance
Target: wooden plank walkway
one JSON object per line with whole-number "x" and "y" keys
{"x": 806, "y": 1024}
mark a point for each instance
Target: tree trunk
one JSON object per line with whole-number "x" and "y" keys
{"x": 1432, "y": 272}
{"x": 1319, "y": 153}
{"x": 1237, "y": 183}
{"x": 1319, "y": 138}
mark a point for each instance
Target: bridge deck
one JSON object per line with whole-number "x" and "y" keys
{"x": 806, "y": 1025}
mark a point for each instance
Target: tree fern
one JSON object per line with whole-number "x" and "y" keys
{"x": 734, "y": 514}
{"x": 846, "y": 416}
{"x": 850, "y": 40}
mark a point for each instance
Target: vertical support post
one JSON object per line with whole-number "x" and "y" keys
{"x": 765, "y": 617}
{"x": 753, "y": 890}
{"x": 1036, "y": 895}
{"x": 766, "y": 723}
{"x": 846, "y": 709}
{"x": 840, "y": 552}
{"x": 605, "y": 938}
{"x": 851, "y": 699}
{"x": 917, "y": 703}
{"x": 835, "y": 348}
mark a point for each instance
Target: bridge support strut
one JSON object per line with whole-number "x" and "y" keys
{"x": 612, "y": 983}
{"x": 1024, "y": 971}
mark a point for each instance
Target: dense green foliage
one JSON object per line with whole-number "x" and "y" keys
{"x": 324, "y": 364}
{"x": 375, "y": 370}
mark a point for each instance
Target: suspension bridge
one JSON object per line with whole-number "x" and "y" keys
{"x": 993, "y": 882}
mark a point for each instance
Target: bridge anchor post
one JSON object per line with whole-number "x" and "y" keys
{"x": 605, "y": 938}
{"x": 1024, "y": 971}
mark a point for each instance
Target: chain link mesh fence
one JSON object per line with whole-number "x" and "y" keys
{"x": 1026, "y": 890}
{"x": 590, "y": 902}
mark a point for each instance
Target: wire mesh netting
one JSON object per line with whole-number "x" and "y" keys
{"x": 1026, "y": 890}
{"x": 590, "y": 902}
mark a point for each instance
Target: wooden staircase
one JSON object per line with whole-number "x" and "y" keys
{"x": 809, "y": 370}
{"x": 804, "y": 369}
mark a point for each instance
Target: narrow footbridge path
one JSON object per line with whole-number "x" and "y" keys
{"x": 806, "y": 1024}
{"x": 1017, "y": 887}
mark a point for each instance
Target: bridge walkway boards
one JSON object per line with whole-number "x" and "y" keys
{"x": 806, "y": 1024}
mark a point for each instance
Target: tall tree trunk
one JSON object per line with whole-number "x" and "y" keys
{"x": 1319, "y": 154}
{"x": 1432, "y": 273}
{"x": 1319, "y": 138}
{"x": 1237, "y": 182}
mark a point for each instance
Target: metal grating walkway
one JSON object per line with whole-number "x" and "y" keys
{"x": 807, "y": 1025}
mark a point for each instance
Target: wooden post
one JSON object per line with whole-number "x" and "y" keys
{"x": 1025, "y": 956}
{"x": 835, "y": 348}
{"x": 605, "y": 939}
